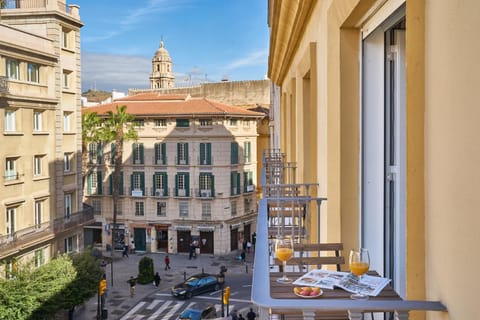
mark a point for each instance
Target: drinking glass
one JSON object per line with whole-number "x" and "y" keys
{"x": 283, "y": 252}
{"x": 359, "y": 262}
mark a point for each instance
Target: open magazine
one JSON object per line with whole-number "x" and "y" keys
{"x": 369, "y": 285}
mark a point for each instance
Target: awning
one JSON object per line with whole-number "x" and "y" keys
{"x": 183, "y": 228}
{"x": 206, "y": 228}
{"x": 95, "y": 225}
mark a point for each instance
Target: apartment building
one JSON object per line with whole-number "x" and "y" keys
{"x": 375, "y": 101}
{"x": 41, "y": 211}
{"x": 190, "y": 176}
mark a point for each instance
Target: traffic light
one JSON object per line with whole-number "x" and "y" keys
{"x": 226, "y": 295}
{"x": 102, "y": 286}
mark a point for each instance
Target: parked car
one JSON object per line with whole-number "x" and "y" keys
{"x": 195, "y": 285}
{"x": 208, "y": 312}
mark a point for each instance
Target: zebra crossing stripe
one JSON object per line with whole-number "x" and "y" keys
{"x": 153, "y": 304}
{"x": 173, "y": 310}
{"x": 135, "y": 309}
{"x": 218, "y": 308}
{"x": 160, "y": 310}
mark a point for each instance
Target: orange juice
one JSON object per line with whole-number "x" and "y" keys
{"x": 284, "y": 254}
{"x": 359, "y": 268}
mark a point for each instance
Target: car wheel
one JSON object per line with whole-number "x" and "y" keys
{"x": 217, "y": 287}
{"x": 188, "y": 295}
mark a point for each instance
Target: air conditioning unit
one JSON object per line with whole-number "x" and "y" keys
{"x": 158, "y": 192}
{"x": 205, "y": 193}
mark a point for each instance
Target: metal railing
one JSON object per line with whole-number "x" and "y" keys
{"x": 3, "y": 84}
{"x": 74, "y": 220}
{"x": 24, "y": 4}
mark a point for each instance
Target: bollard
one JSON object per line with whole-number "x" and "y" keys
{"x": 202, "y": 270}
{"x": 184, "y": 275}
{"x": 246, "y": 268}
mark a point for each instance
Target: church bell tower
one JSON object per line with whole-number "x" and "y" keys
{"x": 162, "y": 75}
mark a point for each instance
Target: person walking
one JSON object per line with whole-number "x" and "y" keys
{"x": 167, "y": 262}
{"x": 242, "y": 256}
{"x": 133, "y": 282}
{"x": 125, "y": 251}
{"x": 240, "y": 317}
{"x": 156, "y": 279}
{"x": 234, "y": 315}
{"x": 251, "y": 315}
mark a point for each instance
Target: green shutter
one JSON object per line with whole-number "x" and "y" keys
{"x": 131, "y": 181}
{"x": 176, "y": 185}
{"x": 187, "y": 184}
{"x": 142, "y": 182}
{"x": 250, "y": 178}
{"x": 99, "y": 153}
{"x": 110, "y": 182}
{"x": 121, "y": 190}
{"x": 213, "y": 184}
{"x": 238, "y": 183}
{"x": 164, "y": 153}
{"x": 186, "y": 153}
{"x": 245, "y": 181}
{"x": 209, "y": 153}
{"x": 232, "y": 175}
{"x": 89, "y": 184}
{"x": 178, "y": 153}
{"x": 202, "y": 153}
{"x": 141, "y": 154}
{"x": 154, "y": 188}
{"x": 165, "y": 184}
{"x": 90, "y": 153}
{"x": 99, "y": 183}
{"x": 112, "y": 153}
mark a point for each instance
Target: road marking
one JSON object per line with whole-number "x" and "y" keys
{"x": 173, "y": 310}
{"x": 134, "y": 309}
{"x": 160, "y": 310}
{"x": 152, "y": 305}
{"x": 211, "y": 298}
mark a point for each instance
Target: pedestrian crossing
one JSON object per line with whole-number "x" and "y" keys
{"x": 157, "y": 308}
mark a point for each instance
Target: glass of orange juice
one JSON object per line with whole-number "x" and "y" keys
{"x": 359, "y": 263}
{"x": 283, "y": 252}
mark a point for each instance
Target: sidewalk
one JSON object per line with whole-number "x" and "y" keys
{"x": 118, "y": 300}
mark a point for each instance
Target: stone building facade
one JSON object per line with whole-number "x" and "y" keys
{"x": 191, "y": 175}
{"x": 41, "y": 211}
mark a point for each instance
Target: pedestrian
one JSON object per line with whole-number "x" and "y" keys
{"x": 125, "y": 251}
{"x": 244, "y": 244}
{"x": 156, "y": 279}
{"x": 251, "y": 315}
{"x": 242, "y": 256}
{"x": 249, "y": 245}
{"x": 132, "y": 281}
{"x": 132, "y": 247}
{"x": 240, "y": 317}
{"x": 167, "y": 262}
{"x": 192, "y": 251}
{"x": 233, "y": 315}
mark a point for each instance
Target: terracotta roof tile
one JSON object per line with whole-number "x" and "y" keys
{"x": 166, "y": 105}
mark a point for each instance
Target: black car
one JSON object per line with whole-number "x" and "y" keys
{"x": 196, "y": 284}
{"x": 208, "y": 312}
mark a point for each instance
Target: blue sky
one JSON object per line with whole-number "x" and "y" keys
{"x": 206, "y": 39}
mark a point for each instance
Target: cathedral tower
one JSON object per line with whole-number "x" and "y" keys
{"x": 162, "y": 75}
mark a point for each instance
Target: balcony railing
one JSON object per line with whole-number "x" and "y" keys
{"x": 3, "y": 84}
{"x": 75, "y": 220}
{"x": 285, "y": 208}
{"x": 24, "y": 236}
{"x": 24, "y": 4}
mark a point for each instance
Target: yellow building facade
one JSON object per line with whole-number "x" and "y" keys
{"x": 41, "y": 210}
{"x": 374, "y": 101}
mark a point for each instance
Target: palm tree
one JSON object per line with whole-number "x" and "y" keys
{"x": 91, "y": 123}
{"x": 117, "y": 128}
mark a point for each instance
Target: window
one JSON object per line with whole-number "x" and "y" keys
{"x": 37, "y": 165}
{"x": 69, "y": 244}
{"x": 11, "y": 222}
{"x": 33, "y": 72}
{"x": 137, "y": 153}
{"x": 182, "y": 153}
{"x": 183, "y": 123}
{"x": 94, "y": 183}
{"x": 118, "y": 205}
{"x": 13, "y": 69}
{"x": 233, "y": 207}
{"x": 97, "y": 206}
{"x": 66, "y": 79}
{"x": 67, "y": 162}
{"x": 206, "y": 122}
{"x": 11, "y": 169}
{"x": 246, "y": 123}
{"x": 38, "y": 214}
{"x": 66, "y": 38}
{"x": 139, "y": 208}
{"x": 160, "y": 153}
{"x": 206, "y": 184}
{"x": 234, "y": 153}
{"x": 10, "y": 120}
{"x": 37, "y": 121}
{"x": 234, "y": 183}
{"x": 248, "y": 181}
{"x": 161, "y": 209}
{"x": 205, "y": 153}
{"x": 39, "y": 257}
{"x": 160, "y": 184}
{"x": 246, "y": 205}
{"x": 160, "y": 123}
{"x": 67, "y": 119}
{"x": 233, "y": 122}
{"x": 138, "y": 181}
{"x": 95, "y": 153}
{"x": 183, "y": 209}
{"x": 247, "y": 152}
{"x": 10, "y": 268}
{"x": 206, "y": 210}
{"x": 182, "y": 185}
{"x": 139, "y": 123}
{"x": 68, "y": 206}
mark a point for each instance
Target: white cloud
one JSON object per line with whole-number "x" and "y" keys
{"x": 119, "y": 72}
{"x": 253, "y": 59}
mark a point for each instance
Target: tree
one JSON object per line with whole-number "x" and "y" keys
{"x": 117, "y": 128}
{"x": 145, "y": 270}
{"x": 91, "y": 123}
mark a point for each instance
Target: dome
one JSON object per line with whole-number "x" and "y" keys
{"x": 162, "y": 52}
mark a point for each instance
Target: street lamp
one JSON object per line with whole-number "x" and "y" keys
{"x": 221, "y": 282}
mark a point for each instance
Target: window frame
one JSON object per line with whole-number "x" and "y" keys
{"x": 67, "y": 206}
{"x": 13, "y": 69}
{"x": 10, "y": 120}
{"x": 11, "y": 172}
{"x": 67, "y": 121}
{"x": 139, "y": 208}
{"x": 33, "y": 72}
{"x": 37, "y": 121}
{"x": 37, "y": 213}
{"x": 161, "y": 208}
{"x": 38, "y": 165}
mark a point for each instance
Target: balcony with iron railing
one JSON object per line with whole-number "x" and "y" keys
{"x": 286, "y": 209}
{"x": 3, "y": 84}
{"x": 75, "y": 220}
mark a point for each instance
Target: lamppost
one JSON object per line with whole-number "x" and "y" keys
{"x": 221, "y": 282}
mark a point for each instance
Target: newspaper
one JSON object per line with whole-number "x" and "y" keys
{"x": 368, "y": 285}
